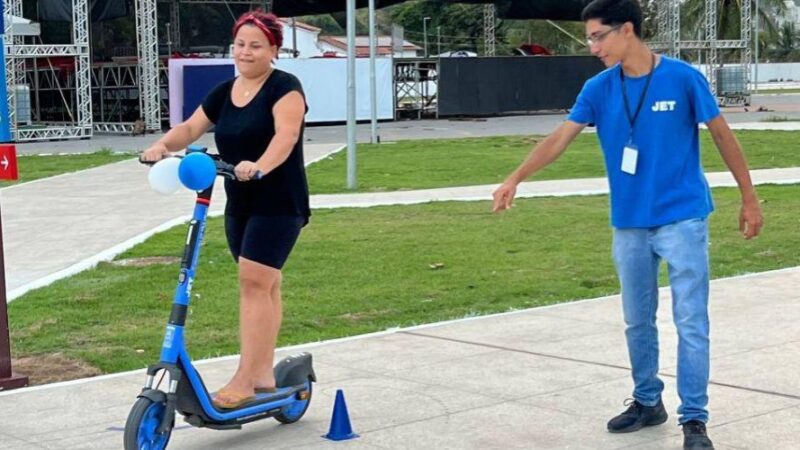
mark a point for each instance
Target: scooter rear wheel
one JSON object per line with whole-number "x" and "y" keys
{"x": 141, "y": 429}
{"x": 293, "y": 412}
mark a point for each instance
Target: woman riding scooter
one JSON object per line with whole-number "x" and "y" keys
{"x": 259, "y": 119}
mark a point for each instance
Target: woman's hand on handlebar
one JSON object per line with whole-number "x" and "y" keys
{"x": 246, "y": 170}
{"x": 154, "y": 153}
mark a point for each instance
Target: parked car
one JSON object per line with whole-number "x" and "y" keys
{"x": 533, "y": 50}
{"x": 458, "y": 54}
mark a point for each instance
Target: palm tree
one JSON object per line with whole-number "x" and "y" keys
{"x": 729, "y": 21}
{"x": 786, "y": 42}
{"x": 728, "y": 17}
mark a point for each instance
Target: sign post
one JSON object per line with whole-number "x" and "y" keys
{"x": 8, "y": 171}
{"x": 8, "y": 379}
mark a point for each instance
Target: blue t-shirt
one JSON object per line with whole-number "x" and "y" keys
{"x": 669, "y": 184}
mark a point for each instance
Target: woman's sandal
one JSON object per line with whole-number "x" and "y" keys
{"x": 266, "y": 390}
{"x": 237, "y": 399}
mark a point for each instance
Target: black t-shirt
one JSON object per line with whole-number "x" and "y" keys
{"x": 243, "y": 134}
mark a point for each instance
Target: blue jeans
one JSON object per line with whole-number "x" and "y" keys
{"x": 637, "y": 253}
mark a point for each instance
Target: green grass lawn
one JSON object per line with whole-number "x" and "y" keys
{"x": 778, "y": 91}
{"x": 777, "y": 118}
{"x": 33, "y": 167}
{"x": 426, "y": 164}
{"x": 361, "y": 270}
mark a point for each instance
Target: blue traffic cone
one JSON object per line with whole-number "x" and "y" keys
{"x": 340, "y": 421}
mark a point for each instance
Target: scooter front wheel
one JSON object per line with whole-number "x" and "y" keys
{"x": 141, "y": 429}
{"x": 292, "y": 412}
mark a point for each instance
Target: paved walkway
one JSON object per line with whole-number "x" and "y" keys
{"x": 544, "y": 378}
{"x": 553, "y": 188}
{"x": 56, "y": 227}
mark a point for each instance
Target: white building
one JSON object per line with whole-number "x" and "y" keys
{"x": 337, "y": 46}
{"x": 306, "y": 39}
{"x": 21, "y": 26}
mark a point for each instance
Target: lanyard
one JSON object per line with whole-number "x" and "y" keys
{"x": 632, "y": 118}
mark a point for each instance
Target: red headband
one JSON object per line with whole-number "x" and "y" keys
{"x": 251, "y": 18}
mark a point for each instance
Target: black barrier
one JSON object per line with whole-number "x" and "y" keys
{"x": 516, "y": 84}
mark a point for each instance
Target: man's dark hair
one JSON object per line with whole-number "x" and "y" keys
{"x": 615, "y": 12}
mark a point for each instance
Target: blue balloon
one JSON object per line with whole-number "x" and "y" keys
{"x": 197, "y": 171}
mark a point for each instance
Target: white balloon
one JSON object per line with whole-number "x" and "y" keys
{"x": 163, "y": 176}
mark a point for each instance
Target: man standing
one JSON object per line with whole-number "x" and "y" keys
{"x": 647, "y": 109}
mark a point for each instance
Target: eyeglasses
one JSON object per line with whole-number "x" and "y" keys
{"x": 597, "y": 38}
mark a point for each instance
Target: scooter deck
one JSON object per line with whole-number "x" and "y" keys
{"x": 265, "y": 397}
{"x": 235, "y": 424}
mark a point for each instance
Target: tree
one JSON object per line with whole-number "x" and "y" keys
{"x": 729, "y": 21}
{"x": 326, "y": 22}
{"x": 461, "y": 24}
{"x": 728, "y": 17}
{"x": 786, "y": 44}
{"x": 462, "y": 29}
{"x": 649, "y": 25}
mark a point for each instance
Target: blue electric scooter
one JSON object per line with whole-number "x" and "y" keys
{"x": 152, "y": 417}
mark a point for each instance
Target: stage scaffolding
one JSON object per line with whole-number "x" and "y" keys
{"x": 117, "y": 87}
{"x": 17, "y": 52}
{"x": 668, "y": 39}
{"x": 120, "y": 88}
{"x": 415, "y": 86}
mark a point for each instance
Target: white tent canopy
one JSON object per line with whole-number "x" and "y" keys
{"x": 21, "y": 26}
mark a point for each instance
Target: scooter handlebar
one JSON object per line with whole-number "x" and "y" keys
{"x": 150, "y": 163}
{"x": 223, "y": 169}
{"x": 228, "y": 170}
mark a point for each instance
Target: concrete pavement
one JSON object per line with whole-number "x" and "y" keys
{"x": 550, "y": 188}
{"x": 59, "y": 226}
{"x": 543, "y": 378}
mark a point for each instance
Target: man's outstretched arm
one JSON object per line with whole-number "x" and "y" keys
{"x": 543, "y": 154}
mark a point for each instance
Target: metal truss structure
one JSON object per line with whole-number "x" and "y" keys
{"x": 115, "y": 87}
{"x": 116, "y": 90}
{"x": 415, "y": 87}
{"x": 489, "y": 36}
{"x": 668, "y": 39}
{"x": 83, "y": 87}
{"x": 18, "y": 53}
{"x": 711, "y": 36}
{"x": 667, "y": 27}
{"x": 174, "y": 25}
{"x": 115, "y": 94}
{"x": 147, "y": 38}
{"x": 12, "y": 65}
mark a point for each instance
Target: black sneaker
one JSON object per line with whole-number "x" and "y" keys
{"x": 694, "y": 436}
{"x": 637, "y": 416}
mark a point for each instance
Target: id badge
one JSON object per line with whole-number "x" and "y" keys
{"x": 630, "y": 154}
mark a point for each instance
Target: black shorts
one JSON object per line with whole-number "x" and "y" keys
{"x": 264, "y": 239}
